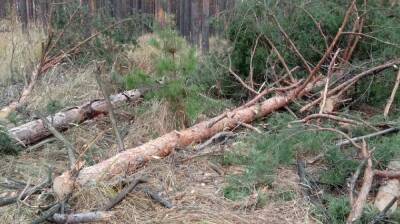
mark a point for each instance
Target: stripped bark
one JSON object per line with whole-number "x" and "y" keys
{"x": 35, "y": 130}
{"x": 132, "y": 159}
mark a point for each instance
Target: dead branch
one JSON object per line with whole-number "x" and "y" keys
{"x": 328, "y": 78}
{"x": 393, "y": 95}
{"x": 82, "y": 217}
{"x": 353, "y": 180}
{"x": 70, "y": 147}
{"x": 383, "y": 214}
{"x": 35, "y": 130}
{"x": 251, "y": 69}
{"x": 47, "y": 214}
{"x": 352, "y": 81}
{"x": 358, "y": 205}
{"x": 372, "y": 37}
{"x": 383, "y": 132}
{"x": 281, "y": 59}
{"x": 292, "y": 45}
{"x": 156, "y": 197}
{"x": 111, "y": 113}
{"x": 328, "y": 116}
{"x": 128, "y": 189}
{"x": 387, "y": 174}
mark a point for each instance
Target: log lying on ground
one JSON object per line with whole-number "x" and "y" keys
{"x": 83, "y": 217}
{"x": 132, "y": 159}
{"x": 35, "y": 130}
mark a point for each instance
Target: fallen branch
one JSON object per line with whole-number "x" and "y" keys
{"x": 392, "y": 96}
{"x": 156, "y": 197}
{"x": 383, "y": 132}
{"x": 35, "y": 130}
{"x": 351, "y": 81}
{"x": 70, "y": 147}
{"x": 111, "y": 113}
{"x": 83, "y": 217}
{"x": 358, "y": 205}
{"x": 383, "y": 214}
{"x": 123, "y": 194}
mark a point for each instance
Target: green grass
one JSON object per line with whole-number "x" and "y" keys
{"x": 262, "y": 154}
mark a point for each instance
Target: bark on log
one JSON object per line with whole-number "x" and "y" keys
{"x": 132, "y": 159}
{"x": 389, "y": 190}
{"x": 83, "y": 217}
{"x": 35, "y": 130}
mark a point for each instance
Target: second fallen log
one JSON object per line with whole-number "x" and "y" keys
{"x": 35, "y": 130}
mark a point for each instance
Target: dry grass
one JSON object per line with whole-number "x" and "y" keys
{"x": 195, "y": 191}
{"x": 18, "y": 54}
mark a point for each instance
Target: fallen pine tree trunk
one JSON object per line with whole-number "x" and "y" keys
{"x": 35, "y": 130}
{"x": 132, "y": 159}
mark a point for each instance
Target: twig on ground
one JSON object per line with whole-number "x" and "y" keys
{"x": 110, "y": 108}
{"x": 47, "y": 214}
{"x": 393, "y": 95}
{"x": 156, "y": 197}
{"x": 327, "y": 116}
{"x": 249, "y": 126}
{"x": 123, "y": 194}
{"x": 219, "y": 137}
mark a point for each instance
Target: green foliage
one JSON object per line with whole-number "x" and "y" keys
{"x": 338, "y": 209}
{"x": 136, "y": 79}
{"x": 339, "y": 167}
{"x": 253, "y": 20}
{"x": 386, "y": 148}
{"x": 263, "y": 154}
{"x": 53, "y": 106}
{"x": 7, "y": 145}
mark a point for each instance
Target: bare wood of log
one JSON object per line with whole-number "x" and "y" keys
{"x": 358, "y": 205}
{"x": 100, "y": 216}
{"x": 111, "y": 113}
{"x": 35, "y": 130}
{"x": 393, "y": 95}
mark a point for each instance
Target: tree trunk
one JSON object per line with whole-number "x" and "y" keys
{"x": 35, "y": 131}
{"x": 132, "y": 159}
{"x": 206, "y": 27}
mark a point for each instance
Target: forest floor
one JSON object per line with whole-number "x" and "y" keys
{"x": 193, "y": 181}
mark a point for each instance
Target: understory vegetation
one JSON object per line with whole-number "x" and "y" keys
{"x": 258, "y": 45}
